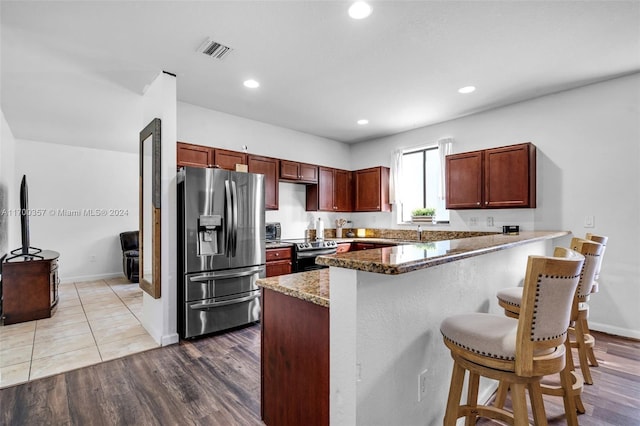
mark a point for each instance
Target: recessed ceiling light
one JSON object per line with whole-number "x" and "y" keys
{"x": 466, "y": 89}
{"x": 359, "y": 10}
{"x": 363, "y": 122}
{"x": 251, "y": 84}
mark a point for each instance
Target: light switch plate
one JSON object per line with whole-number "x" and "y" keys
{"x": 589, "y": 221}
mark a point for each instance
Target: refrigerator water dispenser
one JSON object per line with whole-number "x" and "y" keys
{"x": 209, "y": 228}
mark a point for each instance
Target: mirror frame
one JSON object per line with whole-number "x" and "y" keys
{"x": 151, "y": 130}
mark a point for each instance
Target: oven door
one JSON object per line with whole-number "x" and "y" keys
{"x": 306, "y": 260}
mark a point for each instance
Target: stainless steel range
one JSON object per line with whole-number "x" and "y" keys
{"x": 305, "y": 253}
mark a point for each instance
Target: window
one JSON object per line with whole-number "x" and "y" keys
{"x": 421, "y": 183}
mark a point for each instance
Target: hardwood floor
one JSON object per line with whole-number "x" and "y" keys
{"x": 216, "y": 381}
{"x": 210, "y": 381}
{"x": 614, "y": 397}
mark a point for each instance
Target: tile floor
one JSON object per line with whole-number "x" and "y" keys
{"x": 94, "y": 321}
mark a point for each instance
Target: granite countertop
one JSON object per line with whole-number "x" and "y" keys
{"x": 411, "y": 257}
{"x": 312, "y": 286}
{"x": 277, "y": 244}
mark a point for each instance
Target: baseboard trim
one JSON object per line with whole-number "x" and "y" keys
{"x": 616, "y": 331}
{"x": 82, "y": 278}
{"x": 169, "y": 339}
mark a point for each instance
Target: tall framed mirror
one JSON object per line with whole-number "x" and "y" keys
{"x": 150, "y": 192}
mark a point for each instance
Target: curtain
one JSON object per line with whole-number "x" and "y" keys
{"x": 445, "y": 147}
{"x": 395, "y": 180}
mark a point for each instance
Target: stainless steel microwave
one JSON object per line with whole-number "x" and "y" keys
{"x": 273, "y": 231}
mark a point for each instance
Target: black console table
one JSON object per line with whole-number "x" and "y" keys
{"x": 29, "y": 286}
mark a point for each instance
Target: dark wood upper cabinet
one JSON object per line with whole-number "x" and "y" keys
{"x": 269, "y": 168}
{"x": 227, "y": 160}
{"x": 193, "y": 155}
{"x": 298, "y": 172}
{"x": 372, "y": 190}
{"x": 343, "y": 190}
{"x": 332, "y": 193}
{"x": 464, "y": 180}
{"x": 503, "y": 177}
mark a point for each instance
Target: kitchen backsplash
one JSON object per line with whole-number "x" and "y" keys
{"x": 398, "y": 234}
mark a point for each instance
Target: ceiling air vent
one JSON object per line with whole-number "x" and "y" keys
{"x": 214, "y": 49}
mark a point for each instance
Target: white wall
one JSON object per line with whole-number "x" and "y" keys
{"x": 66, "y": 180}
{"x": 160, "y": 315}
{"x": 213, "y": 128}
{"x": 588, "y": 164}
{"x": 9, "y": 194}
{"x": 69, "y": 178}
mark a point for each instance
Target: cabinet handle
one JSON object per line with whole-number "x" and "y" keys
{"x": 478, "y": 203}
{"x": 486, "y": 202}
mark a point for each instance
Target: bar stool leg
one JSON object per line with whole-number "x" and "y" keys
{"x": 590, "y": 342}
{"x": 519, "y": 401}
{"x": 537, "y": 405}
{"x": 582, "y": 352}
{"x": 472, "y": 397}
{"x": 501, "y": 394}
{"x": 455, "y": 392}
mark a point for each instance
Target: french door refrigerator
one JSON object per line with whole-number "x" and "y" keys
{"x": 221, "y": 250}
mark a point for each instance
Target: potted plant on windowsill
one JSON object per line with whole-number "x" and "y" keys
{"x": 423, "y": 214}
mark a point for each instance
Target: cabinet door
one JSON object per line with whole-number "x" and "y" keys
{"x": 509, "y": 176}
{"x": 372, "y": 189}
{"x": 280, "y": 267}
{"x": 308, "y": 173}
{"x": 325, "y": 189}
{"x": 269, "y": 168}
{"x": 193, "y": 155}
{"x": 464, "y": 180}
{"x": 289, "y": 170}
{"x": 342, "y": 191}
{"x": 228, "y": 159}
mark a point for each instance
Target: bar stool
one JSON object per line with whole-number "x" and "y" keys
{"x": 509, "y": 299}
{"x": 588, "y": 338}
{"x": 517, "y": 352}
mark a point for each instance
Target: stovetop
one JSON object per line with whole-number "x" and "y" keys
{"x": 305, "y": 244}
{"x": 314, "y": 245}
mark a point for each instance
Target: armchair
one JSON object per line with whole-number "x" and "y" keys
{"x": 130, "y": 253}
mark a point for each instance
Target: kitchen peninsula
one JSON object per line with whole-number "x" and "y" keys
{"x": 383, "y": 310}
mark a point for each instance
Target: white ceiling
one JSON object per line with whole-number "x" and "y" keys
{"x": 73, "y": 71}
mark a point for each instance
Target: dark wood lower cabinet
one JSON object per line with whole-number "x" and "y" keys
{"x": 295, "y": 361}
{"x": 29, "y": 287}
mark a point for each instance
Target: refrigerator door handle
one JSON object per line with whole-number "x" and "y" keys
{"x": 229, "y": 225}
{"x": 234, "y": 195}
{"x": 222, "y": 275}
{"x": 202, "y": 306}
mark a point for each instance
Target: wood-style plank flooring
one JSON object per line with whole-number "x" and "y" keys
{"x": 216, "y": 381}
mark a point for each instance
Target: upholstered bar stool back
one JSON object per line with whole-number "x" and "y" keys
{"x": 516, "y": 351}
{"x": 603, "y": 241}
{"x": 510, "y": 300}
{"x": 584, "y": 314}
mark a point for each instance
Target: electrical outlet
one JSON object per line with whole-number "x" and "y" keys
{"x": 422, "y": 385}
{"x": 489, "y": 221}
{"x": 473, "y": 221}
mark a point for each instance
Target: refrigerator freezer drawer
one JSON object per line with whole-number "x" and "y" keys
{"x": 215, "y": 284}
{"x": 211, "y": 315}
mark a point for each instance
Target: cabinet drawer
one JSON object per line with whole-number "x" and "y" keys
{"x": 278, "y": 254}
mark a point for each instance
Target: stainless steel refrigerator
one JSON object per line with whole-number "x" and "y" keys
{"x": 221, "y": 232}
